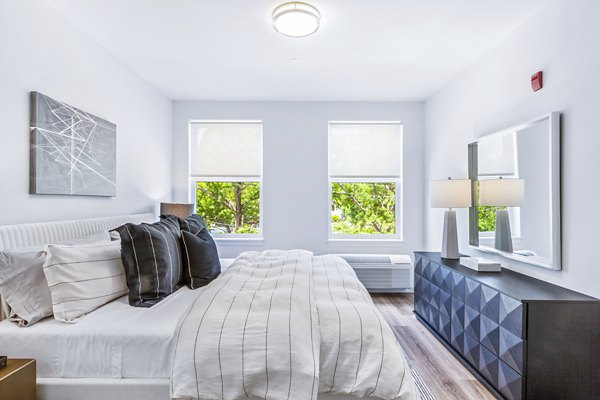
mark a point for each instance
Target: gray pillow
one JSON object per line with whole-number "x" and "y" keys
{"x": 200, "y": 258}
{"x": 23, "y": 284}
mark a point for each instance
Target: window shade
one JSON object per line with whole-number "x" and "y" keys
{"x": 225, "y": 149}
{"x": 497, "y": 155}
{"x": 365, "y": 150}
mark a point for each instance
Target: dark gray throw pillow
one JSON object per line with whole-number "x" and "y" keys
{"x": 151, "y": 255}
{"x": 200, "y": 258}
{"x": 193, "y": 223}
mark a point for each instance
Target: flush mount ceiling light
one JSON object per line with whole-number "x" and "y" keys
{"x": 296, "y": 19}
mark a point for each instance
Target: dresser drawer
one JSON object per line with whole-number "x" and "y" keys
{"x": 512, "y": 350}
{"x": 473, "y": 294}
{"x": 511, "y": 315}
{"x": 510, "y": 383}
{"x": 458, "y": 286}
{"x": 489, "y": 334}
{"x": 418, "y": 265}
{"x": 489, "y": 303}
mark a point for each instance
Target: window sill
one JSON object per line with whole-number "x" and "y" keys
{"x": 352, "y": 241}
{"x": 237, "y": 241}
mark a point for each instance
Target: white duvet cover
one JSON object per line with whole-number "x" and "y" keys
{"x": 253, "y": 332}
{"x": 359, "y": 352}
{"x": 260, "y": 330}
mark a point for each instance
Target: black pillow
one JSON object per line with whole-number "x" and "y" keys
{"x": 193, "y": 223}
{"x": 200, "y": 258}
{"x": 151, "y": 254}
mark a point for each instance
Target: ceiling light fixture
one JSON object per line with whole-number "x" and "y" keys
{"x": 296, "y": 19}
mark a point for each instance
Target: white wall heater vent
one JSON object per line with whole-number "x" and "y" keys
{"x": 382, "y": 272}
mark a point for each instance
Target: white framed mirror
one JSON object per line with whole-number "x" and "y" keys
{"x": 516, "y": 192}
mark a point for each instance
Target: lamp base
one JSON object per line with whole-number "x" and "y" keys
{"x": 503, "y": 236}
{"x": 450, "y": 236}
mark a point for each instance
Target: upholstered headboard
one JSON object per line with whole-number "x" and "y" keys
{"x": 16, "y": 236}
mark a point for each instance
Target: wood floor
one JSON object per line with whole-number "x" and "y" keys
{"x": 445, "y": 377}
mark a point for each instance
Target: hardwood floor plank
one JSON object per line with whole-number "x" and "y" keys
{"x": 444, "y": 375}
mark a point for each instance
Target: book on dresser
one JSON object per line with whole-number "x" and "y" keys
{"x": 523, "y": 338}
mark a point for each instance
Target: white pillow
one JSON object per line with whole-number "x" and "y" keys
{"x": 23, "y": 284}
{"x": 83, "y": 277}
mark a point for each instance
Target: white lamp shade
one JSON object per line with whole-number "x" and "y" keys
{"x": 501, "y": 192}
{"x": 450, "y": 193}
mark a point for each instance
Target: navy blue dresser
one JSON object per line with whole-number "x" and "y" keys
{"x": 522, "y": 337}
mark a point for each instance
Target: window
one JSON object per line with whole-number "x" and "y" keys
{"x": 498, "y": 157}
{"x": 226, "y": 174}
{"x": 365, "y": 180}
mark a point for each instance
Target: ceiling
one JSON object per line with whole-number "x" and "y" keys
{"x": 375, "y": 50}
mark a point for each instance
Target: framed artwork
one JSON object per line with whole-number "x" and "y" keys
{"x": 72, "y": 151}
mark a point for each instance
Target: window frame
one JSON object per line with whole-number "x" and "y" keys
{"x": 514, "y": 213}
{"x": 193, "y": 181}
{"x": 398, "y": 181}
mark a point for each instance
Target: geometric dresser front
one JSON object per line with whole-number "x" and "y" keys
{"x": 521, "y": 337}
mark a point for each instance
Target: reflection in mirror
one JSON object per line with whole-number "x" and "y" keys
{"x": 516, "y": 192}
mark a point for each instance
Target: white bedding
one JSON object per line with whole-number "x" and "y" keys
{"x": 252, "y": 333}
{"x": 260, "y": 329}
{"x": 335, "y": 326}
{"x": 115, "y": 341}
{"x": 359, "y": 352}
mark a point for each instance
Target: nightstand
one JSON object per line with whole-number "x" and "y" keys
{"x": 17, "y": 380}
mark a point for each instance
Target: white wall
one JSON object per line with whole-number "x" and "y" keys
{"x": 561, "y": 40}
{"x": 43, "y": 51}
{"x": 295, "y": 168}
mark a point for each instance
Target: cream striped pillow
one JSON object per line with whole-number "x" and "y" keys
{"x": 83, "y": 277}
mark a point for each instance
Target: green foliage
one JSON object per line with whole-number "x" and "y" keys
{"x": 486, "y": 218}
{"x": 229, "y": 207}
{"x": 363, "y": 208}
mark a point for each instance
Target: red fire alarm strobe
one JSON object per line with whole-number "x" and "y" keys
{"x": 537, "y": 81}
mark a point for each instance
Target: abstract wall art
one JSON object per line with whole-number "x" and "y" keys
{"x": 72, "y": 151}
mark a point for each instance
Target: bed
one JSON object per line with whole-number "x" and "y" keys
{"x": 326, "y": 339}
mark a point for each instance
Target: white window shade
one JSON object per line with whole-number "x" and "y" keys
{"x": 498, "y": 155}
{"x": 225, "y": 149}
{"x": 365, "y": 150}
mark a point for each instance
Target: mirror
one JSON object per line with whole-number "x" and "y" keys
{"x": 516, "y": 192}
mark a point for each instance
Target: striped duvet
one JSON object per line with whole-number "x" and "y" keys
{"x": 287, "y": 325}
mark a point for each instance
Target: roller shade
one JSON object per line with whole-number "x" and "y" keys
{"x": 365, "y": 150}
{"x": 225, "y": 149}
{"x": 497, "y": 155}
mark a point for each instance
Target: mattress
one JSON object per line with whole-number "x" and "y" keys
{"x": 115, "y": 341}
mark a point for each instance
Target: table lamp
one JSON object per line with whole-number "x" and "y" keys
{"x": 450, "y": 193}
{"x": 502, "y": 193}
{"x": 181, "y": 210}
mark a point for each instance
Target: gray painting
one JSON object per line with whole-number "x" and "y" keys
{"x": 72, "y": 152}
